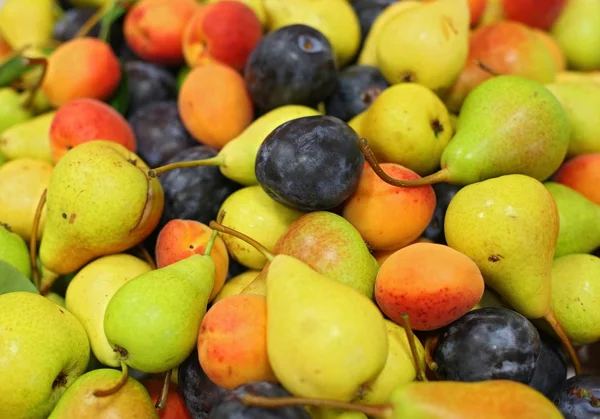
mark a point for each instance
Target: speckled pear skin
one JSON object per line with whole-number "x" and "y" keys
{"x": 156, "y": 316}
{"x": 508, "y": 124}
{"x": 131, "y": 401}
{"x": 100, "y": 201}
{"x": 39, "y": 341}
{"x": 509, "y": 226}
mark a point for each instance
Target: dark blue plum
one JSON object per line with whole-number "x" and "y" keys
{"x": 490, "y": 343}
{"x": 311, "y": 164}
{"x": 550, "y": 368}
{"x": 148, "y": 83}
{"x": 292, "y": 65}
{"x": 444, "y": 192}
{"x": 358, "y": 86}
{"x": 579, "y": 397}
{"x": 367, "y": 11}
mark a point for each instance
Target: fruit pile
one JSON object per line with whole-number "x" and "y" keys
{"x": 299, "y": 209}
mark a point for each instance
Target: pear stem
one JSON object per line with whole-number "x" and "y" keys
{"x": 146, "y": 256}
{"x": 33, "y": 239}
{"x": 413, "y": 347}
{"x": 213, "y": 161}
{"x": 161, "y": 403}
{"x": 262, "y": 249}
{"x": 122, "y": 381}
{"x": 93, "y": 20}
{"x": 437, "y": 177}
{"x": 213, "y": 236}
{"x": 35, "y": 61}
{"x": 430, "y": 344}
{"x": 550, "y": 317}
{"x": 375, "y": 411}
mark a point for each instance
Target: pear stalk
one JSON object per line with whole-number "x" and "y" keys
{"x": 413, "y": 347}
{"x": 122, "y": 381}
{"x": 213, "y": 161}
{"x": 374, "y": 411}
{"x": 33, "y": 239}
{"x": 161, "y": 403}
{"x": 262, "y": 249}
{"x": 550, "y": 317}
{"x": 437, "y": 177}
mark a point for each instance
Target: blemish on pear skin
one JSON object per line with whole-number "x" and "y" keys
{"x": 72, "y": 218}
{"x": 495, "y": 258}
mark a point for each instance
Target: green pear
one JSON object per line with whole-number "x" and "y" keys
{"x": 577, "y": 31}
{"x": 30, "y": 138}
{"x": 81, "y": 222}
{"x": 11, "y": 109}
{"x": 90, "y": 291}
{"x": 57, "y": 299}
{"x": 579, "y": 230}
{"x": 576, "y": 296}
{"x": 490, "y": 299}
{"x": 153, "y": 320}
{"x": 509, "y": 227}
{"x": 43, "y": 349}
{"x": 409, "y": 125}
{"x": 581, "y": 101}
{"x": 131, "y": 401}
{"x": 330, "y": 413}
{"x": 3, "y": 159}
{"x": 426, "y": 44}
{"x": 236, "y": 160}
{"x": 27, "y": 22}
{"x": 14, "y": 250}
{"x": 236, "y": 284}
{"x": 324, "y": 338}
{"x": 329, "y": 244}
{"x": 399, "y": 367}
{"x": 251, "y": 211}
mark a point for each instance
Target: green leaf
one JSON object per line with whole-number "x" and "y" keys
{"x": 114, "y": 13}
{"x": 181, "y": 75}
{"x": 12, "y": 69}
{"x": 12, "y": 280}
{"x": 120, "y": 99}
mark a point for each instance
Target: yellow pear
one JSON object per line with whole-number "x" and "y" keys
{"x": 426, "y": 44}
{"x": 356, "y": 123}
{"x": 324, "y": 339}
{"x": 368, "y": 53}
{"x": 90, "y": 291}
{"x": 22, "y": 183}
{"x": 30, "y": 138}
{"x": 334, "y": 18}
{"x": 27, "y": 22}
{"x": 236, "y": 284}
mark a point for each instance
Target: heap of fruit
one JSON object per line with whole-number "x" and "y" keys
{"x": 299, "y": 209}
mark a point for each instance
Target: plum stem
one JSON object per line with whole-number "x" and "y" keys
{"x": 223, "y": 229}
{"x": 213, "y": 161}
{"x": 430, "y": 344}
{"x": 122, "y": 381}
{"x": 437, "y": 177}
{"x": 161, "y": 403}
{"x": 33, "y": 239}
{"x": 550, "y": 317}
{"x": 405, "y": 318}
{"x": 375, "y": 411}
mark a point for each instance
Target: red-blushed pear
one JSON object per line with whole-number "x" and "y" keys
{"x": 582, "y": 173}
{"x": 43, "y": 350}
{"x": 132, "y": 401}
{"x": 100, "y": 201}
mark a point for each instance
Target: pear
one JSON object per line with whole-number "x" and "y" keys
{"x": 585, "y": 76}
{"x": 426, "y": 44}
{"x": 576, "y": 296}
{"x": 399, "y": 368}
{"x": 329, "y": 244}
{"x": 577, "y": 31}
{"x": 509, "y": 227}
{"x": 89, "y": 3}
{"x": 43, "y": 350}
{"x": 236, "y": 285}
{"x": 27, "y": 22}
{"x": 14, "y": 251}
{"x": 507, "y": 125}
{"x": 153, "y": 320}
{"x": 409, "y": 125}
{"x": 79, "y": 401}
{"x": 251, "y": 211}
{"x": 581, "y": 101}
{"x": 57, "y": 299}
{"x": 368, "y": 53}
{"x": 11, "y": 109}
{"x": 30, "y": 138}
{"x": 90, "y": 291}
{"x": 236, "y": 159}
{"x": 489, "y": 299}
{"x": 334, "y": 18}
{"x": 3, "y": 159}
{"x": 258, "y": 285}
{"x": 330, "y": 413}
{"x": 81, "y": 223}
{"x": 22, "y": 183}
{"x": 579, "y": 230}
{"x": 324, "y": 339}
